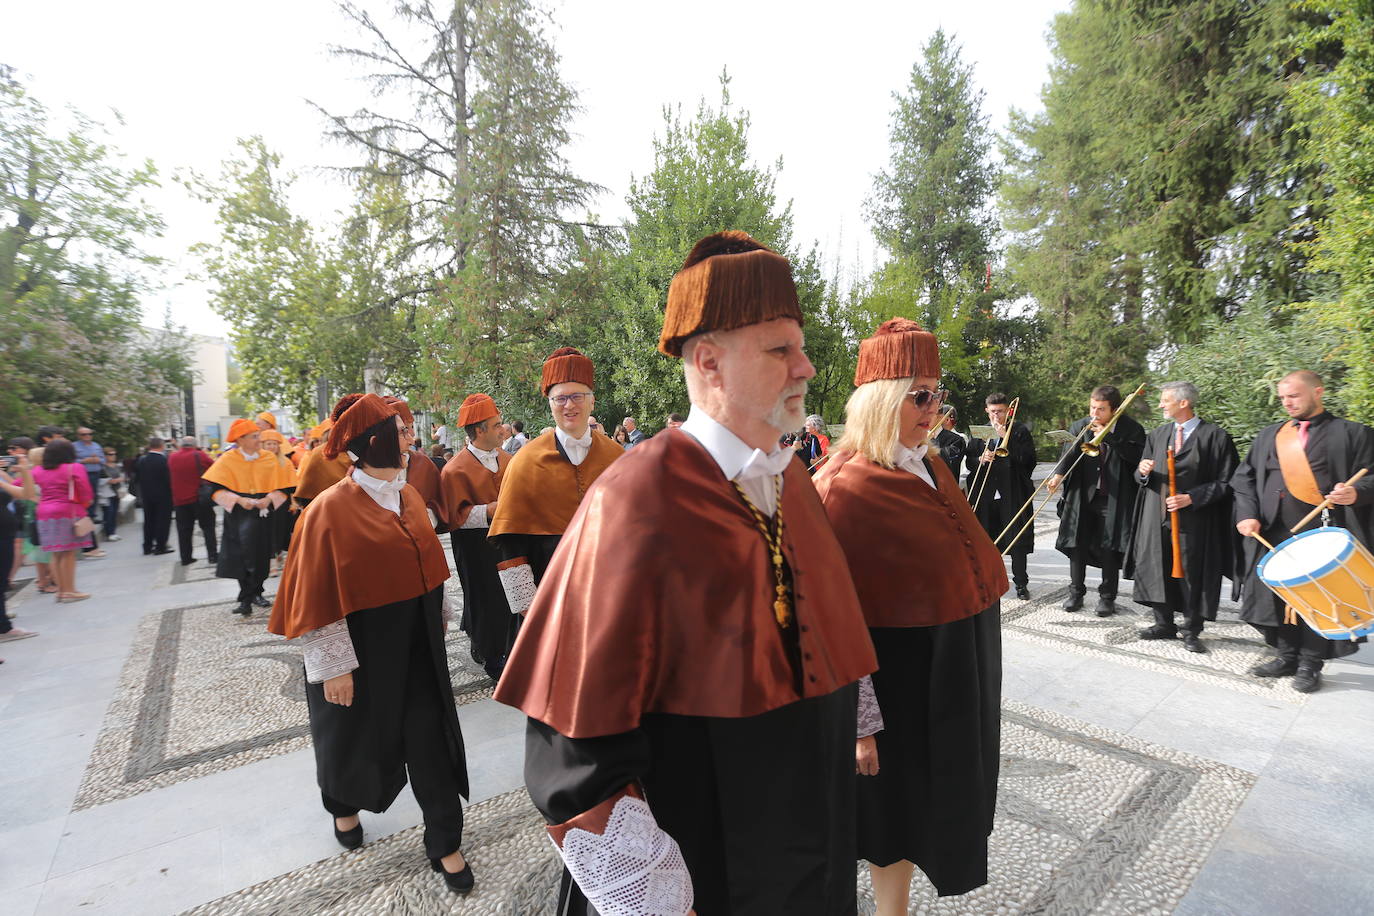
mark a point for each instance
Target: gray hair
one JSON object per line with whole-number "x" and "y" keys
{"x": 189, "y": 442}
{"x": 816, "y": 421}
{"x": 1183, "y": 391}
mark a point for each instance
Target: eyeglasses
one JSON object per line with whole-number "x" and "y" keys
{"x": 562, "y": 400}
{"x": 923, "y": 398}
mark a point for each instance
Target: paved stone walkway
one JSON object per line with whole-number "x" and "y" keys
{"x": 1133, "y": 781}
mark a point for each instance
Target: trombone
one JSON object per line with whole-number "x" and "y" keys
{"x": 1092, "y": 447}
{"x": 939, "y": 423}
{"x": 980, "y": 484}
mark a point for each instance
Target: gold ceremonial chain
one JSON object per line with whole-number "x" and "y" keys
{"x": 782, "y": 604}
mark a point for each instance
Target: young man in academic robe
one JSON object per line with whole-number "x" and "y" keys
{"x": 950, "y": 444}
{"x": 548, "y": 477}
{"x": 1007, "y": 488}
{"x": 1097, "y": 506}
{"x": 1205, "y": 458}
{"x": 248, "y": 483}
{"x": 364, "y": 591}
{"x": 692, "y": 744}
{"x": 1291, "y": 467}
{"x": 470, "y": 484}
{"x": 321, "y": 468}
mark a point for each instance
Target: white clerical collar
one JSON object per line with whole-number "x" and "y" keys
{"x": 491, "y": 455}
{"x": 729, "y": 451}
{"x": 377, "y": 484}
{"x": 567, "y": 440}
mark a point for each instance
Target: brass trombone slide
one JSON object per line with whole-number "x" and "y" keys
{"x": 945, "y": 411}
{"x": 1000, "y": 452}
{"x": 1034, "y": 493}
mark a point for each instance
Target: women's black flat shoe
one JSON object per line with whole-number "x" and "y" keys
{"x": 349, "y": 839}
{"x": 459, "y": 882}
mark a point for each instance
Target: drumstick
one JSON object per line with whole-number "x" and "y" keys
{"x": 1326, "y": 503}
{"x": 1259, "y": 538}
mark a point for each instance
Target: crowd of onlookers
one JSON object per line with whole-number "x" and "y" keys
{"x": 628, "y": 434}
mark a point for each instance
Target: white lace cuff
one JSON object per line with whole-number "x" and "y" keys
{"x": 870, "y": 716}
{"x": 328, "y": 652}
{"x": 477, "y": 518}
{"x": 632, "y": 868}
{"x": 518, "y": 581}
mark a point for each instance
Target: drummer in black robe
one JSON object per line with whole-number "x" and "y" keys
{"x": 1291, "y": 466}
{"x": 1007, "y": 489}
{"x": 929, "y": 582}
{"x": 548, "y": 477}
{"x": 469, "y": 486}
{"x": 690, "y": 662}
{"x": 248, "y": 483}
{"x": 364, "y": 590}
{"x": 1204, "y": 459}
{"x": 1097, "y": 506}
{"x": 949, "y": 443}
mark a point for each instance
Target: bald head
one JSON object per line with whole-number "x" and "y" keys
{"x": 188, "y": 441}
{"x": 1300, "y": 393}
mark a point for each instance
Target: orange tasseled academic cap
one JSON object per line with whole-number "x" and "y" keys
{"x": 479, "y": 407}
{"x": 566, "y": 364}
{"x": 900, "y": 348}
{"x": 354, "y": 415}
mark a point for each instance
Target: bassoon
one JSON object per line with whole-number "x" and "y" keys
{"x": 1173, "y": 519}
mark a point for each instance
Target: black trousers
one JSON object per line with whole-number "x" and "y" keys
{"x": 1091, "y": 532}
{"x": 188, "y": 516}
{"x": 7, "y": 552}
{"x": 1299, "y": 643}
{"x": 1019, "y": 575}
{"x": 433, "y": 778}
{"x": 1177, "y": 602}
{"x": 1078, "y": 574}
{"x": 157, "y": 524}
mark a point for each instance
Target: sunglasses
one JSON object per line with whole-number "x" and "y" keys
{"x": 923, "y": 398}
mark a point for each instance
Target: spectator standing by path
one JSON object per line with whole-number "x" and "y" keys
{"x": 814, "y": 443}
{"x": 91, "y": 456}
{"x": 516, "y": 441}
{"x": 674, "y": 421}
{"x": 17, "y": 448}
{"x": 190, "y": 505}
{"x": 632, "y": 430}
{"x": 16, "y": 482}
{"x": 107, "y": 494}
{"x": 64, "y": 497}
{"x": 29, "y": 549}
{"x": 155, "y": 487}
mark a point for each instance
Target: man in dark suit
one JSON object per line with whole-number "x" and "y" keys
{"x": 155, "y": 490}
{"x": 190, "y": 505}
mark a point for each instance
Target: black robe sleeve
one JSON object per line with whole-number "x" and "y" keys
{"x": 567, "y": 776}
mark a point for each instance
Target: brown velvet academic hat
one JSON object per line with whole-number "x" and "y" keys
{"x": 566, "y": 364}
{"x": 728, "y": 281}
{"x": 402, "y": 408}
{"x": 900, "y": 348}
{"x": 240, "y": 428}
{"x": 354, "y": 415}
{"x": 476, "y": 408}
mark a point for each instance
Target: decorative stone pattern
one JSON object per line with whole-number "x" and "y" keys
{"x": 1233, "y": 646}
{"x": 1088, "y": 821}
{"x": 205, "y": 690}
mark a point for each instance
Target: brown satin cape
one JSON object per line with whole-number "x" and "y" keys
{"x": 424, "y": 477}
{"x": 348, "y": 554}
{"x": 465, "y": 482}
{"x": 660, "y": 600}
{"x": 541, "y": 489}
{"x": 318, "y": 473}
{"x": 918, "y": 556}
{"x": 263, "y": 474}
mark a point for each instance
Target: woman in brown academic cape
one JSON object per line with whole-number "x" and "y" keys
{"x": 364, "y": 589}
{"x": 929, "y": 582}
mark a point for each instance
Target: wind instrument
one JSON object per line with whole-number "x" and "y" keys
{"x": 939, "y": 423}
{"x": 1173, "y": 519}
{"x": 1036, "y": 491}
{"x": 1094, "y": 447}
{"x": 1000, "y": 452}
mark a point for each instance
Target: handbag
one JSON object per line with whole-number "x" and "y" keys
{"x": 82, "y": 526}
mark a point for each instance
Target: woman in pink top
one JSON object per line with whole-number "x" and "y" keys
{"x": 64, "y": 495}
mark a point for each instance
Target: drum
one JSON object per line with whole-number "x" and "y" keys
{"x": 1327, "y": 577}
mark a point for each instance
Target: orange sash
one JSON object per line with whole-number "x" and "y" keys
{"x": 1297, "y": 473}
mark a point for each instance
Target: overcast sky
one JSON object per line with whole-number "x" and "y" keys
{"x": 817, "y": 79}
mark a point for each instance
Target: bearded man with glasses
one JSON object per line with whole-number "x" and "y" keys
{"x": 547, "y": 478}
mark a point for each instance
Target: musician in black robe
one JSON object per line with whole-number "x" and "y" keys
{"x": 1205, "y": 459}
{"x": 1270, "y": 504}
{"x": 950, "y": 444}
{"x": 1097, "y": 507}
{"x": 1007, "y": 488}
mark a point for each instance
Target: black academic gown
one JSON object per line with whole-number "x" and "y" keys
{"x": 1112, "y": 473}
{"x": 1336, "y": 449}
{"x": 952, "y": 447}
{"x": 537, "y": 548}
{"x": 1208, "y": 539}
{"x": 245, "y": 550}
{"x": 1007, "y": 489}
{"x": 487, "y": 618}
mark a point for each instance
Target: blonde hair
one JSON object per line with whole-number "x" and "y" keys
{"x": 873, "y": 419}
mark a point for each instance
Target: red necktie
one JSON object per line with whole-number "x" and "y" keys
{"x": 1302, "y": 432}
{"x": 1178, "y": 438}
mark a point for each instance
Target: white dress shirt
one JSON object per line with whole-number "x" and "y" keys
{"x": 385, "y": 493}
{"x": 576, "y": 449}
{"x": 753, "y": 469}
{"x": 477, "y": 516}
{"x": 910, "y": 460}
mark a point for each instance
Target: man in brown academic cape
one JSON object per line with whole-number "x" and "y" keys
{"x": 248, "y": 484}
{"x": 548, "y": 477}
{"x": 470, "y": 484}
{"x": 689, "y": 664}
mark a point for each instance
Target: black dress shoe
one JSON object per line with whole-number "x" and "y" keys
{"x": 1157, "y": 632}
{"x": 162, "y": 550}
{"x": 1073, "y": 603}
{"x": 1275, "y": 667}
{"x": 1022, "y": 591}
{"x": 244, "y": 608}
{"x": 1106, "y": 607}
{"x": 1193, "y": 644}
{"x": 188, "y": 562}
{"x": 349, "y": 839}
{"x": 1307, "y": 680}
{"x": 212, "y": 558}
{"x": 459, "y": 882}
{"x": 260, "y": 601}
